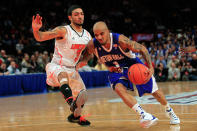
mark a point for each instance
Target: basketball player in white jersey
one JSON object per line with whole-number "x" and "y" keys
{"x": 70, "y": 41}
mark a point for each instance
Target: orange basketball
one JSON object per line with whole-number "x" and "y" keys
{"x": 137, "y": 74}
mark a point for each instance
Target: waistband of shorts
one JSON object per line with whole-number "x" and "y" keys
{"x": 69, "y": 66}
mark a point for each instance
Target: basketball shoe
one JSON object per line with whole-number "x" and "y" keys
{"x": 80, "y": 120}
{"x": 147, "y": 120}
{"x": 174, "y": 119}
{"x": 77, "y": 105}
{"x": 76, "y": 108}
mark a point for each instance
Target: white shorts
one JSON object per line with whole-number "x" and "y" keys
{"x": 75, "y": 82}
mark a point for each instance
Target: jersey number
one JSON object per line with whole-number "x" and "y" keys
{"x": 79, "y": 48}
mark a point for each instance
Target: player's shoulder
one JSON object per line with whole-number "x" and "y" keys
{"x": 61, "y": 29}
{"x": 87, "y": 33}
{"x": 115, "y": 37}
{"x": 114, "y": 33}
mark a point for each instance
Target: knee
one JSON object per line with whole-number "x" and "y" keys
{"x": 119, "y": 89}
{"x": 157, "y": 94}
{"x": 61, "y": 76}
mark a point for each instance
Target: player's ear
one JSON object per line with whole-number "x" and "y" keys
{"x": 69, "y": 17}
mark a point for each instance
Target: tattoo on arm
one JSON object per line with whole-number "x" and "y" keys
{"x": 136, "y": 47}
{"x": 42, "y": 36}
{"x": 55, "y": 31}
{"x": 147, "y": 57}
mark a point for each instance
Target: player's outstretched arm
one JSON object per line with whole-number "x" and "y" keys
{"x": 126, "y": 43}
{"x": 86, "y": 56}
{"x": 47, "y": 35}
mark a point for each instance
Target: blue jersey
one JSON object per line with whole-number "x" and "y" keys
{"x": 115, "y": 56}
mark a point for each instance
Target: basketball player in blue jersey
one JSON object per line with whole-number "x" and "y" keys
{"x": 114, "y": 50}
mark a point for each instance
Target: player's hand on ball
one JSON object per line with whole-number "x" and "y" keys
{"x": 149, "y": 73}
{"x": 36, "y": 22}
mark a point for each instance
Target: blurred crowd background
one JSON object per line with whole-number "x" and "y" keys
{"x": 162, "y": 26}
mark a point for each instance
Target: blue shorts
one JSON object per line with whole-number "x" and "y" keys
{"x": 149, "y": 87}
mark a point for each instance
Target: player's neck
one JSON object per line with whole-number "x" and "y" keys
{"x": 76, "y": 27}
{"x": 107, "y": 45}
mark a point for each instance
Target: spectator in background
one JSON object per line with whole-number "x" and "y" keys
{"x": 12, "y": 68}
{"x": 153, "y": 56}
{"x": 161, "y": 73}
{"x": 173, "y": 72}
{"x": 186, "y": 70}
{"x": 19, "y": 46}
{"x": 35, "y": 66}
{"x": 26, "y": 65}
{"x": 161, "y": 51}
{"x": 3, "y": 69}
{"x": 3, "y": 55}
{"x": 173, "y": 60}
{"x": 193, "y": 62}
{"x": 9, "y": 59}
{"x": 161, "y": 60}
{"x": 45, "y": 58}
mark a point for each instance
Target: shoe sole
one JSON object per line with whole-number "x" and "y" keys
{"x": 175, "y": 123}
{"x": 80, "y": 100}
{"x": 149, "y": 123}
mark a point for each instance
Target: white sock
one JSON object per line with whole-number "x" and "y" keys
{"x": 167, "y": 106}
{"x": 138, "y": 109}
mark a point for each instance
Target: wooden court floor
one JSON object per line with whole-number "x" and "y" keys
{"x": 48, "y": 112}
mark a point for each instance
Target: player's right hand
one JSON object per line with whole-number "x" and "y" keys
{"x": 149, "y": 74}
{"x": 36, "y": 22}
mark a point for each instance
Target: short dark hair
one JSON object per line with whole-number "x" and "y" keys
{"x": 71, "y": 8}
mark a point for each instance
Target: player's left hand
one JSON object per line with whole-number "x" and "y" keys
{"x": 149, "y": 73}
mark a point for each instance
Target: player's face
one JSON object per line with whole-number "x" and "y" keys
{"x": 101, "y": 36}
{"x": 77, "y": 17}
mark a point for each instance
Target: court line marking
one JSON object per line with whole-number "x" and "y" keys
{"x": 121, "y": 120}
{"x": 33, "y": 117}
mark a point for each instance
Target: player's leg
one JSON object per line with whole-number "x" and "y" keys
{"x": 174, "y": 119}
{"x": 61, "y": 76}
{"x": 80, "y": 92}
{"x": 146, "y": 119}
{"x": 65, "y": 88}
{"x": 158, "y": 94}
{"x": 57, "y": 76}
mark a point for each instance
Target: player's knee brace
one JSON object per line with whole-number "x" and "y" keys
{"x": 67, "y": 92}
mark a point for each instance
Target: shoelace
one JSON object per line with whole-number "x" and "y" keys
{"x": 82, "y": 118}
{"x": 173, "y": 115}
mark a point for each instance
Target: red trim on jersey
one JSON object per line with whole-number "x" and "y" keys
{"x": 80, "y": 48}
{"x": 60, "y": 56}
{"x": 88, "y": 34}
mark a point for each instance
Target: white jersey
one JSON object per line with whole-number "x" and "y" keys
{"x": 68, "y": 51}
